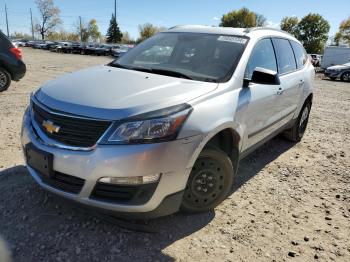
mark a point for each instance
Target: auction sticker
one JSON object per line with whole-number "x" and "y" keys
{"x": 232, "y": 39}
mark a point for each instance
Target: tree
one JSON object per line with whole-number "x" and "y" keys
{"x": 290, "y": 25}
{"x": 93, "y": 30}
{"x": 113, "y": 34}
{"x": 312, "y": 31}
{"x": 344, "y": 31}
{"x": 63, "y": 35}
{"x": 126, "y": 39}
{"x": 49, "y": 16}
{"x": 82, "y": 29}
{"x": 260, "y": 20}
{"x": 239, "y": 18}
{"x": 20, "y": 35}
{"x": 147, "y": 30}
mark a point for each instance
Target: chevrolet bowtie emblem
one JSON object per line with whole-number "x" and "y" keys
{"x": 50, "y": 127}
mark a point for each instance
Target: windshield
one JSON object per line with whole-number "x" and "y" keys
{"x": 197, "y": 56}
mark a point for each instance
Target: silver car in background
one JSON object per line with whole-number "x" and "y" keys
{"x": 338, "y": 71}
{"x": 164, "y": 127}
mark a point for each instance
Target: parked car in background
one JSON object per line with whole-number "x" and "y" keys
{"x": 90, "y": 49}
{"x": 338, "y": 71}
{"x": 335, "y": 55}
{"x": 20, "y": 42}
{"x": 156, "y": 133}
{"x": 11, "y": 64}
{"x": 62, "y": 47}
{"x": 30, "y": 43}
{"x": 39, "y": 44}
{"x": 103, "y": 50}
{"x": 120, "y": 50}
{"x": 316, "y": 60}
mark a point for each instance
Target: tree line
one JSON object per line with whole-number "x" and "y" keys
{"x": 311, "y": 30}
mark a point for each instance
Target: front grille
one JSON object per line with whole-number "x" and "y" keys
{"x": 124, "y": 194}
{"x": 73, "y": 131}
{"x": 63, "y": 182}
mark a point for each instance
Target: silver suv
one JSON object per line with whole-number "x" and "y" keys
{"x": 163, "y": 127}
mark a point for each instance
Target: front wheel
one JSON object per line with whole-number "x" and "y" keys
{"x": 5, "y": 79}
{"x": 209, "y": 183}
{"x": 345, "y": 77}
{"x": 296, "y": 133}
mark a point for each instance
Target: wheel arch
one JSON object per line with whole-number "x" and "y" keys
{"x": 227, "y": 138}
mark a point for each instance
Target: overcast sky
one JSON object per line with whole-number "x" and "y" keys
{"x": 131, "y": 13}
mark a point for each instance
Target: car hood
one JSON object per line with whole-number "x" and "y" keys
{"x": 113, "y": 93}
{"x": 337, "y": 67}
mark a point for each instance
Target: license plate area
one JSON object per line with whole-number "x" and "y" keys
{"x": 39, "y": 160}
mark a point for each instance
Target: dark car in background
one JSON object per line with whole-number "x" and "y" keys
{"x": 120, "y": 50}
{"x": 11, "y": 64}
{"x": 339, "y": 71}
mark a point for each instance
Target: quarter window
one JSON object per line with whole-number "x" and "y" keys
{"x": 300, "y": 54}
{"x": 262, "y": 56}
{"x": 285, "y": 56}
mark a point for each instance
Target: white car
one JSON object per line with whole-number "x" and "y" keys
{"x": 164, "y": 127}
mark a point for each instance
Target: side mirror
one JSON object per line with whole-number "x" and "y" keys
{"x": 265, "y": 77}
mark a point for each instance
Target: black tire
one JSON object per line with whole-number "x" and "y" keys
{"x": 209, "y": 183}
{"x": 5, "y": 80}
{"x": 345, "y": 77}
{"x": 296, "y": 133}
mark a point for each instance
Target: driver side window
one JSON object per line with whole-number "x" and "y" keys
{"x": 263, "y": 55}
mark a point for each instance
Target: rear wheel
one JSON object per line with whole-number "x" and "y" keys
{"x": 5, "y": 79}
{"x": 296, "y": 133}
{"x": 345, "y": 76}
{"x": 209, "y": 183}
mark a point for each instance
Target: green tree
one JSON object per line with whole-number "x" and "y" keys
{"x": 93, "y": 30}
{"x": 147, "y": 30}
{"x": 312, "y": 31}
{"x": 290, "y": 25}
{"x": 113, "y": 34}
{"x": 239, "y": 18}
{"x": 344, "y": 31}
{"x": 49, "y": 16}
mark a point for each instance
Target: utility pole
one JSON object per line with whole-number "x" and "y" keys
{"x": 115, "y": 10}
{"x": 7, "y": 22}
{"x": 31, "y": 20}
{"x": 81, "y": 30}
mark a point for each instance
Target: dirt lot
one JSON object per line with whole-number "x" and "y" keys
{"x": 291, "y": 202}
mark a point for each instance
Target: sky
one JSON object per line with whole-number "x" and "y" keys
{"x": 131, "y": 13}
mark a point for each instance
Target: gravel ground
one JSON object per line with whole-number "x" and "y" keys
{"x": 291, "y": 202}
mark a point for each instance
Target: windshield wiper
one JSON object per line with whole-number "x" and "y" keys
{"x": 113, "y": 64}
{"x": 166, "y": 72}
{"x": 160, "y": 71}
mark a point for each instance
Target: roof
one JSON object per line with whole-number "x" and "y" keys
{"x": 250, "y": 32}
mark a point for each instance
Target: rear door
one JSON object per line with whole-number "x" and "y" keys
{"x": 262, "y": 113}
{"x": 292, "y": 80}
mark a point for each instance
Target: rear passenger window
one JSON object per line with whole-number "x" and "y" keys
{"x": 300, "y": 54}
{"x": 262, "y": 56}
{"x": 285, "y": 56}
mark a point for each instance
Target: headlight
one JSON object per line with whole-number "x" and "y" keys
{"x": 157, "y": 126}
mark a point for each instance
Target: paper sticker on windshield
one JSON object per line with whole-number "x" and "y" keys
{"x": 232, "y": 39}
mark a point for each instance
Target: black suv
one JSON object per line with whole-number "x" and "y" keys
{"x": 11, "y": 64}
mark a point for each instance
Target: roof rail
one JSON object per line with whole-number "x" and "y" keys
{"x": 248, "y": 30}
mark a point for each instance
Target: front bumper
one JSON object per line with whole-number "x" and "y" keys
{"x": 332, "y": 74}
{"x": 171, "y": 159}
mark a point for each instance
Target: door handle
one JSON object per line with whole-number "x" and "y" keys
{"x": 280, "y": 91}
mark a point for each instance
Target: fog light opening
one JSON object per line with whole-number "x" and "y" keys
{"x": 136, "y": 180}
